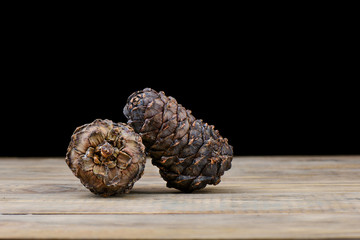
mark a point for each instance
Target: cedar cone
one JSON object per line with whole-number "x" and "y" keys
{"x": 107, "y": 157}
{"x": 189, "y": 153}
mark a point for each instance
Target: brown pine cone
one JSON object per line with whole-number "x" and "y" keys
{"x": 189, "y": 153}
{"x": 107, "y": 157}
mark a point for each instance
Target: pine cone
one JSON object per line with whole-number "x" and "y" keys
{"x": 107, "y": 157}
{"x": 189, "y": 153}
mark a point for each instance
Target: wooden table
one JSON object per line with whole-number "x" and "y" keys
{"x": 260, "y": 197}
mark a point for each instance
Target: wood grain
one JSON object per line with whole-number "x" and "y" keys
{"x": 260, "y": 197}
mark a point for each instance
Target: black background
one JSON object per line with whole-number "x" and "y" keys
{"x": 270, "y": 87}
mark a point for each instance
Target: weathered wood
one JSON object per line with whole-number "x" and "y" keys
{"x": 182, "y": 226}
{"x": 260, "y": 197}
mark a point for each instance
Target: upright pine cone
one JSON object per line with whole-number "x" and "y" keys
{"x": 189, "y": 153}
{"x": 107, "y": 157}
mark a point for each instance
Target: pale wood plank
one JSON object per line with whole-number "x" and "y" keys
{"x": 48, "y": 186}
{"x": 182, "y": 226}
{"x": 290, "y": 197}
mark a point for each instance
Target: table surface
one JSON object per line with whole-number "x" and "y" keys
{"x": 259, "y": 197}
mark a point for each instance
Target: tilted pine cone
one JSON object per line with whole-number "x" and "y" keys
{"x": 189, "y": 153}
{"x": 107, "y": 157}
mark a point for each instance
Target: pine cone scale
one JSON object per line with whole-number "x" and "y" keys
{"x": 107, "y": 157}
{"x": 189, "y": 153}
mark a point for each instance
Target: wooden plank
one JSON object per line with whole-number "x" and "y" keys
{"x": 203, "y": 226}
{"x": 48, "y": 186}
{"x": 260, "y": 197}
